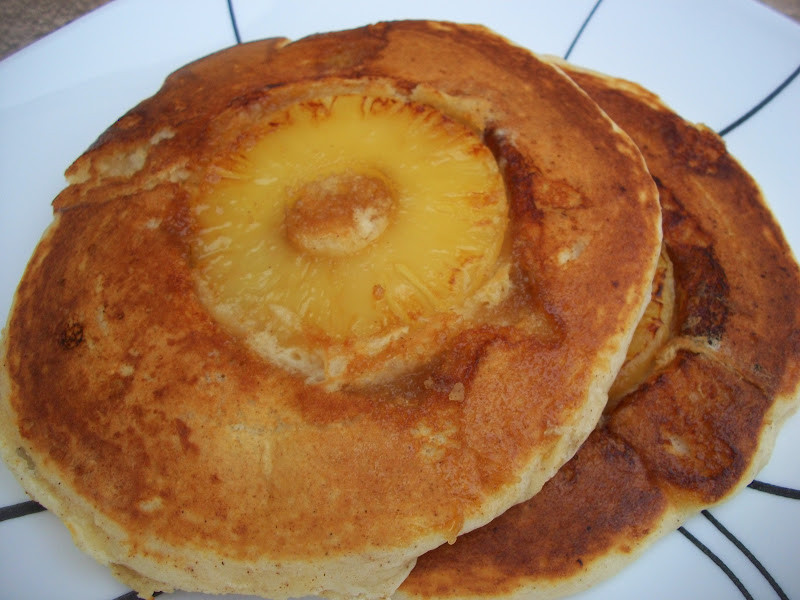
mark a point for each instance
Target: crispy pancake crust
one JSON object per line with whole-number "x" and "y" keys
{"x": 182, "y": 459}
{"x": 704, "y": 421}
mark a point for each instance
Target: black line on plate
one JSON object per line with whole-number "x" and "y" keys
{"x": 776, "y": 490}
{"x": 21, "y": 509}
{"x": 134, "y": 596}
{"x": 750, "y": 556}
{"x": 580, "y": 31}
{"x": 232, "y": 14}
{"x": 717, "y": 561}
{"x": 760, "y": 105}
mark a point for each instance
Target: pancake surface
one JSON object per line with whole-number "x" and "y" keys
{"x": 703, "y": 417}
{"x": 185, "y": 454}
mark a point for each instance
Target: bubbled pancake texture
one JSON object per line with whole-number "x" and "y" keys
{"x": 702, "y": 423}
{"x": 182, "y": 459}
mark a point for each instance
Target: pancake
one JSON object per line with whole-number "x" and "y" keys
{"x": 195, "y": 435}
{"x": 702, "y": 418}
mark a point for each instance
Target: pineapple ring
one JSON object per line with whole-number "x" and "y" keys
{"x": 345, "y": 223}
{"x": 182, "y": 458}
{"x": 650, "y": 335}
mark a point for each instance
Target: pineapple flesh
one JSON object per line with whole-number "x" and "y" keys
{"x": 343, "y": 225}
{"x": 652, "y": 332}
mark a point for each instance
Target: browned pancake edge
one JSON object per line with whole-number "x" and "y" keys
{"x": 183, "y": 460}
{"x": 701, "y": 425}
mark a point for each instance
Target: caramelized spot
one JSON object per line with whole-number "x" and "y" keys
{"x": 695, "y": 425}
{"x": 702, "y": 292}
{"x": 72, "y": 335}
{"x": 700, "y": 149}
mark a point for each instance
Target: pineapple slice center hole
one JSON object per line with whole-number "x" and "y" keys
{"x": 339, "y": 214}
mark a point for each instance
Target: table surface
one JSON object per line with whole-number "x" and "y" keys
{"x": 22, "y": 22}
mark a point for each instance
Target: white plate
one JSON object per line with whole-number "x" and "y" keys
{"x": 713, "y": 61}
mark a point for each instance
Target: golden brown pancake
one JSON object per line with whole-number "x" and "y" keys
{"x": 185, "y": 454}
{"x": 704, "y": 417}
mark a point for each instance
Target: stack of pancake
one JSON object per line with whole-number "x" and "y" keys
{"x": 403, "y": 310}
